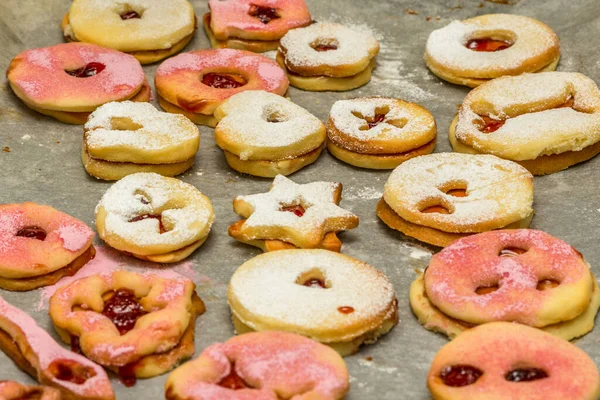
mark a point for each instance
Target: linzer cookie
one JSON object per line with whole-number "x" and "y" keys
{"x": 253, "y": 25}
{"x": 138, "y": 326}
{"x": 344, "y": 303}
{"x": 196, "y": 83}
{"x": 439, "y": 198}
{"x": 501, "y": 360}
{"x": 35, "y": 352}
{"x": 262, "y": 365}
{"x": 263, "y": 134}
{"x": 328, "y": 56}
{"x": 292, "y": 216}
{"x": 378, "y": 132}
{"x": 149, "y": 30}
{"x": 124, "y": 138}
{"x": 69, "y": 81}
{"x": 39, "y": 245}
{"x": 546, "y": 122}
{"x": 154, "y": 218}
{"x": 473, "y": 51}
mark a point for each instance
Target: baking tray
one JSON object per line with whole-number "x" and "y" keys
{"x": 39, "y": 161}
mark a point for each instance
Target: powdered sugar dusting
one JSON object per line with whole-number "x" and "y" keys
{"x": 74, "y": 237}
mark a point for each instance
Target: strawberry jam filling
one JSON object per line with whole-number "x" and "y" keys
{"x": 150, "y": 216}
{"x": 233, "y": 381}
{"x": 264, "y": 14}
{"x": 487, "y": 45}
{"x": 32, "y": 232}
{"x": 130, "y": 15}
{"x": 525, "y": 375}
{"x": 491, "y": 125}
{"x": 123, "y": 309}
{"x": 346, "y": 309}
{"x": 223, "y": 81}
{"x": 70, "y": 371}
{"x": 297, "y": 210}
{"x": 93, "y": 68}
{"x": 460, "y": 375}
{"x": 315, "y": 283}
{"x": 325, "y": 47}
{"x": 127, "y": 375}
{"x": 376, "y": 120}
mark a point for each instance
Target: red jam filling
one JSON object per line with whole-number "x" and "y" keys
{"x": 487, "y": 45}
{"x": 491, "y": 125}
{"x": 233, "y": 381}
{"x": 325, "y": 47}
{"x": 123, "y": 310}
{"x": 32, "y": 232}
{"x": 223, "y": 81}
{"x": 346, "y": 309}
{"x": 264, "y": 14}
{"x": 379, "y": 118}
{"x": 130, "y": 15}
{"x": 75, "y": 347}
{"x": 315, "y": 282}
{"x": 147, "y": 216}
{"x": 297, "y": 210}
{"x": 70, "y": 371}
{"x": 127, "y": 375}
{"x": 91, "y": 69}
{"x": 460, "y": 375}
{"x": 511, "y": 252}
{"x": 525, "y": 375}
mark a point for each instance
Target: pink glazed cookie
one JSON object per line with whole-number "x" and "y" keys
{"x": 262, "y": 366}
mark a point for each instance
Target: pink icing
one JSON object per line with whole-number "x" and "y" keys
{"x": 74, "y": 237}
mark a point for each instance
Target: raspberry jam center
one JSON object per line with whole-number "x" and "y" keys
{"x": 491, "y": 125}
{"x": 123, "y": 310}
{"x": 130, "y": 15}
{"x": 460, "y": 375}
{"x": 487, "y": 45}
{"x": 346, "y": 309}
{"x": 223, "y": 81}
{"x": 70, "y": 371}
{"x": 150, "y": 216}
{"x": 264, "y": 14}
{"x": 32, "y": 232}
{"x": 93, "y": 68}
{"x": 233, "y": 381}
{"x": 127, "y": 375}
{"x": 297, "y": 210}
{"x": 376, "y": 120}
{"x": 525, "y": 374}
{"x": 315, "y": 283}
{"x": 325, "y": 47}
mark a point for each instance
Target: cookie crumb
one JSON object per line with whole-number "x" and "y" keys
{"x": 6, "y": 149}
{"x": 369, "y": 358}
{"x": 410, "y": 12}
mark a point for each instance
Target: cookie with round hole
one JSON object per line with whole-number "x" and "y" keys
{"x": 439, "y": 198}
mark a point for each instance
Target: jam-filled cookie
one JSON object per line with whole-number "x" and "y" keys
{"x": 439, "y": 198}
{"x": 521, "y": 275}
{"x": 292, "y": 216}
{"x": 254, "y": 25}
{"x": 328, "y": 56}
{"x": 196, "y": 83}
{"x": 154, "y": 218}
{"x": 501, "y": 360}
{"x": 546, "y": 122}
{"x": 265, "y": 135}
{"x": 123, "y": 138}
{"x": 35, "y": 352}
{"x": 344, "y": 302}
{"x": 149, "y": 30}
{"x": 11, "y": 390}
{"x": 473, "y": 51}
{"x": 378, "y": 132}
{"x": 262, "y": 366}
{"x": 40, "y": 245}
{"x": 69, "y": 81}
{"x": 138, "y": 326}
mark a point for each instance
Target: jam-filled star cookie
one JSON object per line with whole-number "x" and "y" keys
{"x": 253, "y": 25}
{"x": 501, "y": 360}
{"x": 262, "y": 366}
{"x": 40, "y": 245}
{"x": 138, "y": 326}
{"x": 149, "y": 30}
{"x": 263, "y": 134}
{"x": 121, "y": 139}
{"x": 473, "y": 51}
{"x": 292, "y": 216}
{"x": 439, "y": 198}
{"x": 546, "y": 122}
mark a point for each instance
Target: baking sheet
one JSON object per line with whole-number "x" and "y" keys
{"x": 39, "y": 161}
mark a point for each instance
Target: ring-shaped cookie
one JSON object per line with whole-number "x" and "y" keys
{"x": 345, "y": 302}
{"x": 199, "y": 81}
{"x": 378, "y": 132}
{"x": 475, "y": 50}
{"x": 262, "y": 366}
{"x": 501, "y": 360}
{"x": 40, "y": 245}
{"x": 154, "y": 217}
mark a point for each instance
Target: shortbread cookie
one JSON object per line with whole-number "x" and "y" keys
{"x": 40, "y": 245}
{"x": 196, "y": 83}
{"x": 328, "y": 56}
{"x": 291, "y": 215}
{"x": 124, "y": 138}
{"x": 439, "y": 198}
{"x": 378, "y": 132}
{"x": 262, "y": 366}
{"x": 265, "y": 135}
{"x": 136, "y": 325}
{"x": 344, "y": 302}
{"x": 473, "y": 51}
{"x": 149, "y": 30}
{"x": 35, "y": 352}
{"x": 501, "y": 360}
{"x": 546, "y": 122}
{"x": 68, "y": 81}
{"x": 251, "y": 25}
{"x": 153, "y": 217}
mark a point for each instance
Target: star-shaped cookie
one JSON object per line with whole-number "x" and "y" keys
{"x": 304, "y": 216}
